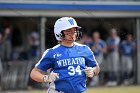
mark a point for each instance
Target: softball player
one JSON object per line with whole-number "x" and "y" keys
{"x": 113, "y": 58}
{"x": 98, "y": 47}
{"x": 127, "y": 50}
{"x": 69, "y": 61}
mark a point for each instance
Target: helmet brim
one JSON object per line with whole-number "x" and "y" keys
{"x": 78, "y": 27}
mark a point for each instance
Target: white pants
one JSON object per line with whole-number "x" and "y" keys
{"x": 113, "y": 61}
{"x": 50, "y": 90}
{"x": 95, "y": 79}
{"x": 99, "y": 59}
{"x": 127, "y": 64}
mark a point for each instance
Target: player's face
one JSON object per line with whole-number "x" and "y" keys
{"x": 70, "y": 34}
{"x": 129, "y": 37}
{"x": 96, "y": 36}
{"x": 113, "y": 32}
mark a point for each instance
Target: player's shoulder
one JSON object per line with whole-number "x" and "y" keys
{"x": 102, "y": 41}
{"x": 81, "y": 46}
{"x": 84, "y": 48}
{"x": 55, "y": 47}
{"x": 46, "y": 53}
{"x": 50, "y": 51}
{"x": 124, "y": 42}
{"x": 117, "y": 39}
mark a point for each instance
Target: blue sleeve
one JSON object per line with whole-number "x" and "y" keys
{"x": 121, "y": 46}
{"x": 103, "y": 44}
{"x": 90, "y": 59}
{"x": 45, "y": 62}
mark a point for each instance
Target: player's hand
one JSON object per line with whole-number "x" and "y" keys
{"x": 90, "y": 71}
{"x": 52, "y": 77}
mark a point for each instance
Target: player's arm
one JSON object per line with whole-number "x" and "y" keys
{"x": 43, "y": 65}
{"x": 104, "y": 47}
{"x": 96, "y": 70}
{"x": 92, "y": 68}
{"x": 92, "y": 71}
{"x": 37, "y": 75}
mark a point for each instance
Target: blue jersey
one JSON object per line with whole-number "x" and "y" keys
{"x": 70, "y": 63}
{"x": 101, "y": 44}
{"x": 127, "y": 48}
{"x": 113, "y": 41}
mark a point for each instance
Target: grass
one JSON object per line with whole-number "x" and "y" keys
{"x": 120, "y": 89}
{"x": 129, "y": 89}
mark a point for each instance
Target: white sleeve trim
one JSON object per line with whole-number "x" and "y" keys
{"x": 42, "y": 57}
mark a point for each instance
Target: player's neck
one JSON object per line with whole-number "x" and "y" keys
{"x": 68, "y": 44}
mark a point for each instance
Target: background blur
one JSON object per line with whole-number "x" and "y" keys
{"x": 111, "y": 28}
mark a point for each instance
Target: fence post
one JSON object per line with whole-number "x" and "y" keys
{"x": 138, "y": 49}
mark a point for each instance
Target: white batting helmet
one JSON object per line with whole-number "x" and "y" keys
{"x": 64, "y": 23}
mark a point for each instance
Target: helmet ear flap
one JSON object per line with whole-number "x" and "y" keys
{"x": 79, "y": 35}
{"x": 61, "y": 35}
